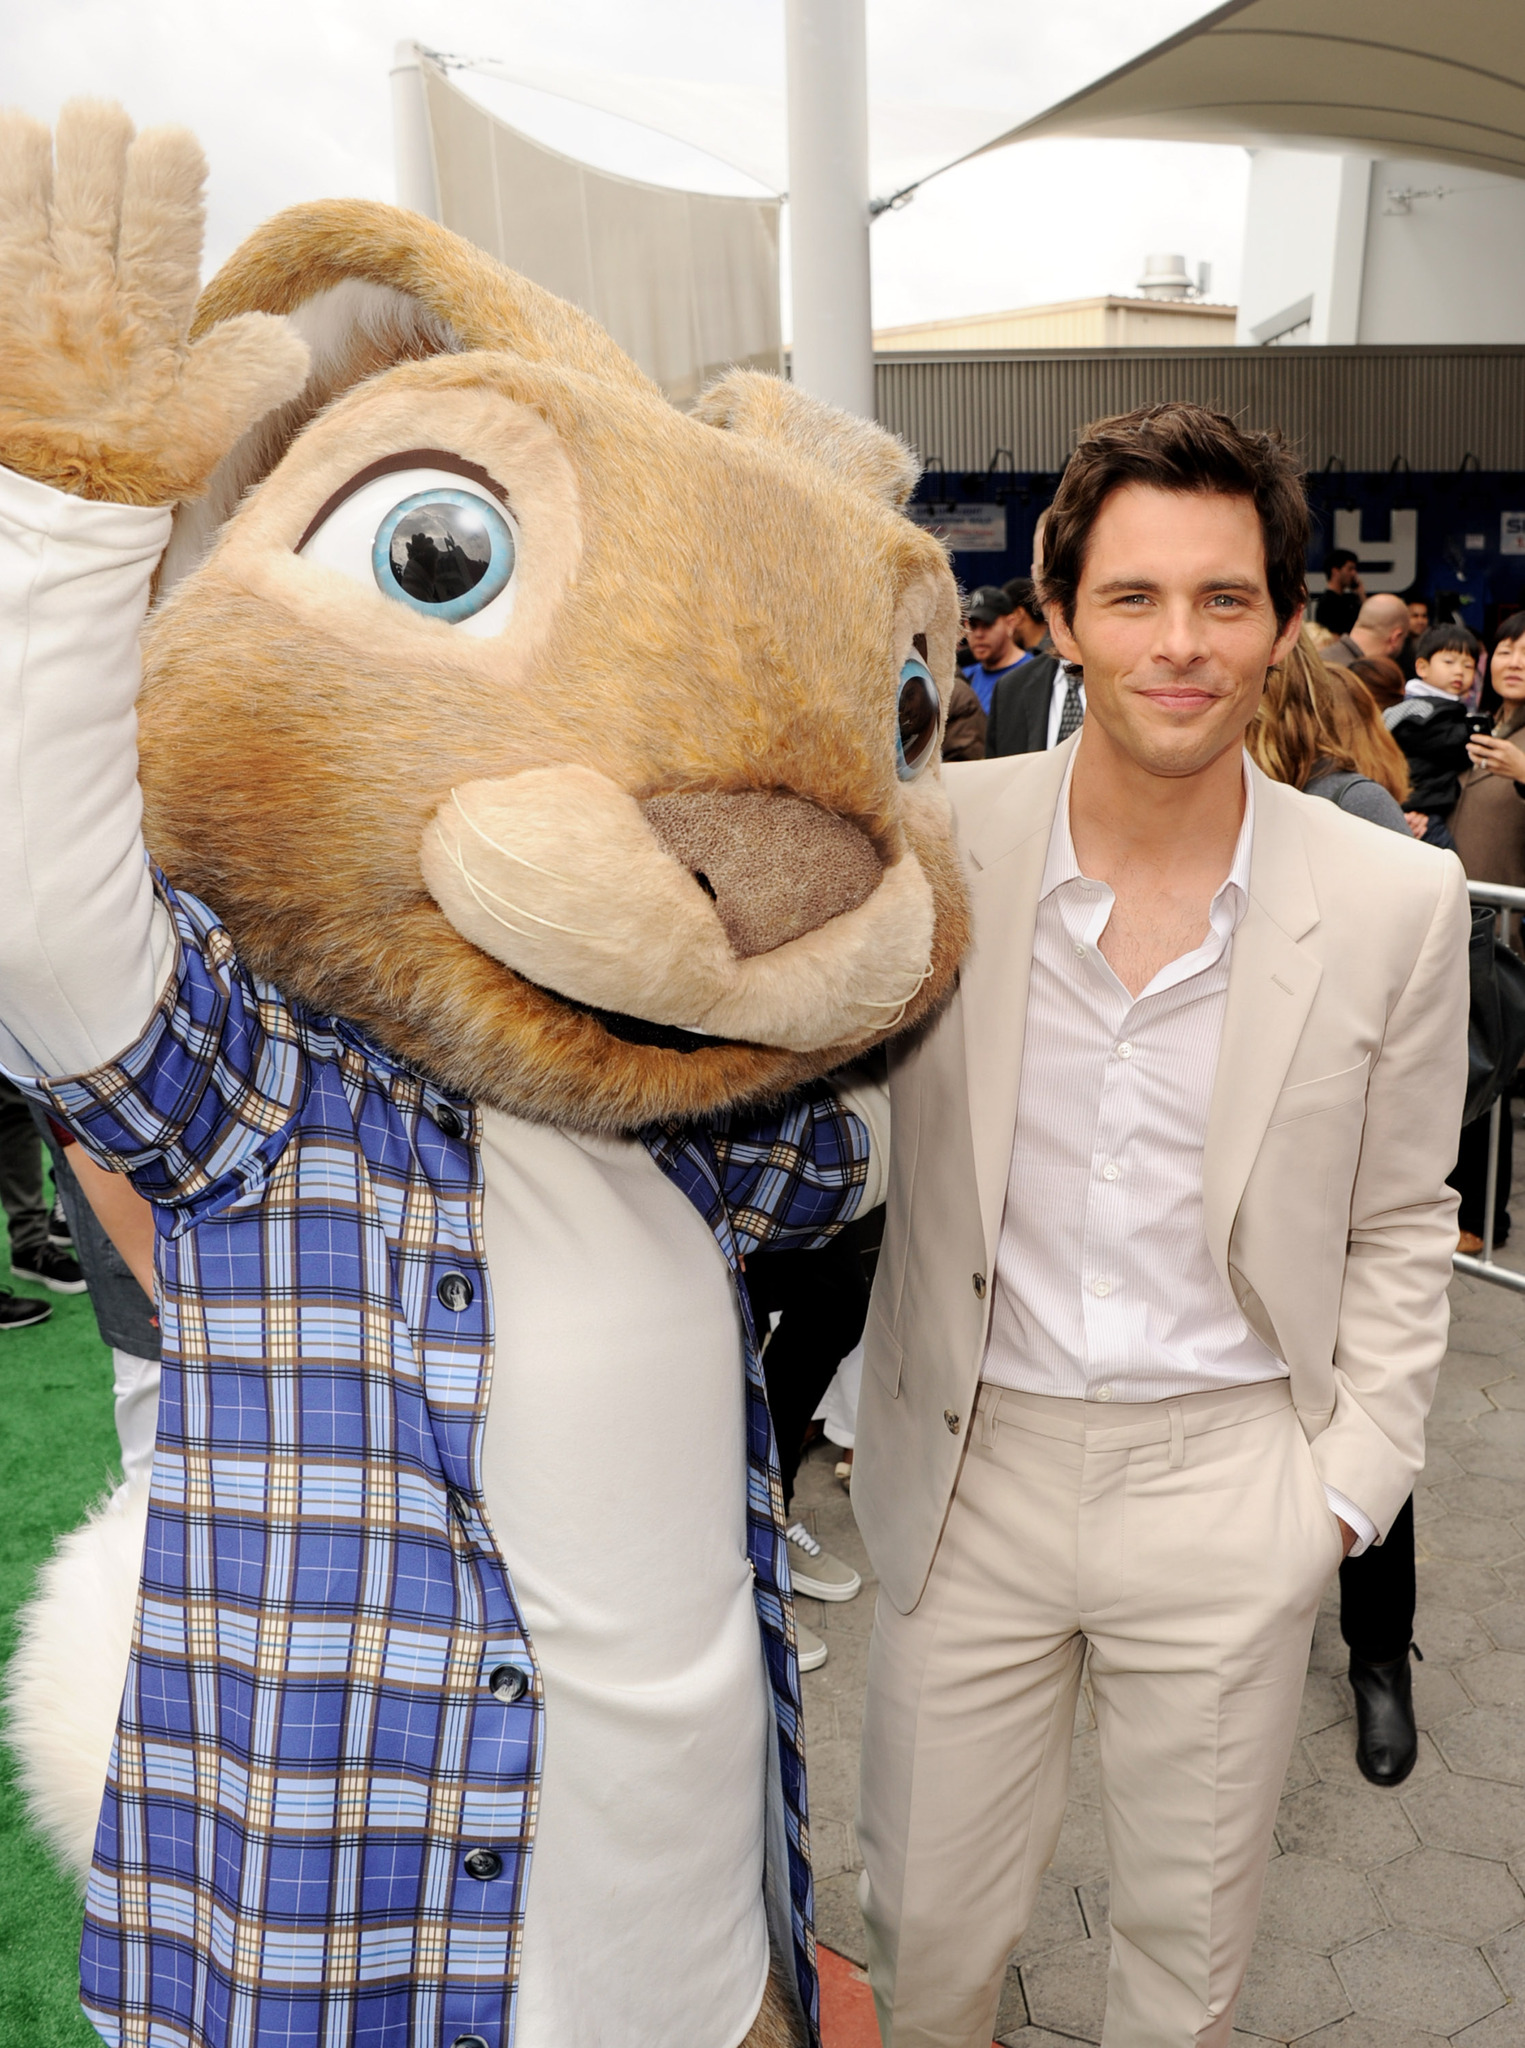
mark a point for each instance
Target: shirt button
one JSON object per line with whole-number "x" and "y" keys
{"x": 455, "y": 1292}
{"x": 952, "y": 1421}
{"x": 506, "y": 1682}
{"x": 1103, "y": 1393}
{"x": 484, "y": 1864}
{"x": 1110, "y": 1171}
{"x": 977, "y": 1282}
{"x": 1125, "y": 1051}
{"x": 1101, "y": 1287}
{"x": 1080, "y": 948}
{"x": 450, "y": 1121}
{"x": 469, "y": 2041}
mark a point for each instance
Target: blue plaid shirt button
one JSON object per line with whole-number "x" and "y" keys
{"x": 468, "y": 2041}
{"x": 483, "y": 1864}
{"x": 456, "y": 1293}
{"x": 450, "y": 1121}
{"x": 508, "y": 1683}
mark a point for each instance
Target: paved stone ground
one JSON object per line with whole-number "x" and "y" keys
{"x": 1391, "y": 1919}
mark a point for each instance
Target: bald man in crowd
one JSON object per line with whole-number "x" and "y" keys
{"x": 1380, "y": 629}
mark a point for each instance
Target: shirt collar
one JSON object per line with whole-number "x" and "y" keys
{"x": 1062, "y": 866}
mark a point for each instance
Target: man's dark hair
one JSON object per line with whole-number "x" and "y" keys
{"x": 1186, "y": 448}
{"x": 1337, "y": 558}
{"x": 1453, "y": 638}
{"x": 1024, "y": 598}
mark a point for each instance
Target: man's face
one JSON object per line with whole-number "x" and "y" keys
{"x": 1343, "y": 576}
{"x": 990, "y": 641}
{"x": 1452, "y": 668}
{"x": 1419, "y": 619}
{"x": 1173, "y": 625}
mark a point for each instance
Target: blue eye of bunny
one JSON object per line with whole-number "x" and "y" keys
{"x": 916, "y": 715}
{"x": 444, "y": 553}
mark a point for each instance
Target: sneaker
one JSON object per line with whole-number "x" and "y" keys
{"x": 60, "y": 1237}
{"x": 809, "y": 1647}
{"x": 55, "y": 1269}
{"x": 815, "y": 1572}
{"x": 20, "y": 1311}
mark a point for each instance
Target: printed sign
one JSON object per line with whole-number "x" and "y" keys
{"x": 966, "y": 529}
{"x": 1512, "y": 533}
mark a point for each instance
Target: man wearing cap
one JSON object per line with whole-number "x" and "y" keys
{"x": 988, "y": 625}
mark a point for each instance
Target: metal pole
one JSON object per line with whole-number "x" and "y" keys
{"x": 833, "y": 350}
{"x": 412, "y": 141}
{"x": 1490, "y": 1198}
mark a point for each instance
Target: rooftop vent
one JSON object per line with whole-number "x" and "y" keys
{"x": 1165, "y": 278}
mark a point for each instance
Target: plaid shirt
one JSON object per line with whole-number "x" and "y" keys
{"x": 321, "y": 1806}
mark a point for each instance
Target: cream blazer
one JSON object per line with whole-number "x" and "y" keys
{"x": 1332, "y": 1127}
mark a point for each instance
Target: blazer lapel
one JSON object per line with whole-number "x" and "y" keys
{"x": 1007, "y": 855}
{"x": 1271, "y": 985}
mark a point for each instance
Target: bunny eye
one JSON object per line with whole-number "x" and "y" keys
{"x": 916, "y": 715}
{"x": 447, "y": 553}
{"x": 427, "y": 538}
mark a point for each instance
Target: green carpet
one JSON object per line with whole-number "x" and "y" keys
{"x": 57, "y": 1453}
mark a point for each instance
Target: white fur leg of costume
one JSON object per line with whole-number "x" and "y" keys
{"x": 60, "y": 1730}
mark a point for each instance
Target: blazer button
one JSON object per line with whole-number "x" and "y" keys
{"x": 450, "y": 1121}
{"x": 506, "y": 1682}
{"x": 483, "y": 1864}
{"x": 979, "y": 1286}
{"x": 954, "y": 1425}
{"x": 455, "y": 1292}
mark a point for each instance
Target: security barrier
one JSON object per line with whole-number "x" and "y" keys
{"x": 1504, "y": 901}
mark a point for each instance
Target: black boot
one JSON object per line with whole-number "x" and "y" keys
{"x": 1387, "y": 1742}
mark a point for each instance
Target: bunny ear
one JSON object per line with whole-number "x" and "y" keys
{"x": 854, "y": 450}
{"x": 367, "y": 286}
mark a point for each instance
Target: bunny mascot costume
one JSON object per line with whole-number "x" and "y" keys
{"x": 466, "y": 1030}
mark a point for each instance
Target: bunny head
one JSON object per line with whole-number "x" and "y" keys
{"x": 583, "y": 752}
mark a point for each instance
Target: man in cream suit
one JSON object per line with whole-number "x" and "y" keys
{"x": 1162, "y": 1294}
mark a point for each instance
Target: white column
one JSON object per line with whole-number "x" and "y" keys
{"x": 833, "y": 351}
{"x": 412, "y": 143}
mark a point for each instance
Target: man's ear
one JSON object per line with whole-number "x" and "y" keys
{"x": 1286, "y": 639}
{"x": 1059, "y": 632}
{"x": 852, "y": 449}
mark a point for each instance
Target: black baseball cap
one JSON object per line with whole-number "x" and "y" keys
{"x": 988, "y": 604}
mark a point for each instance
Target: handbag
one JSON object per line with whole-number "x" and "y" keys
{"x": 1496, "y": 1020}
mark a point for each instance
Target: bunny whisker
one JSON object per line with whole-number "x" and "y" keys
{"x": 479, "y": 889}
{"x": 507, "y": 852}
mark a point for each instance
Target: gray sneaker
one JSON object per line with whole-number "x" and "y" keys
{"x": 815, "y": 1572}
{"x": 809, "y": 1647}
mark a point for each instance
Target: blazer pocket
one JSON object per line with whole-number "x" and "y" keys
{"x": 881, "y": 1351}
{"x": 1329, "y": 1091}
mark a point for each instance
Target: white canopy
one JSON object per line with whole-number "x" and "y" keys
{"x": 685, "y": 282}
{"x": 746, "y": 126}
{"x": 1401, "y": 78}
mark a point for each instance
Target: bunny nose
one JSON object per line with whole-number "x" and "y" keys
{"x": 776, "y": 866}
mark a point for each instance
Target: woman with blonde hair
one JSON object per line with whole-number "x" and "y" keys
{"x": 1319, "y": 730}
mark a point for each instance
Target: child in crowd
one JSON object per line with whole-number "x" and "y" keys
{"x": 1430, "y": 725}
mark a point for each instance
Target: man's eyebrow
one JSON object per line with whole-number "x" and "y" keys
{"x": 1115, "y": 585}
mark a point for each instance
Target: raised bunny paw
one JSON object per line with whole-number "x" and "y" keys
{"x": 102, "y": 392}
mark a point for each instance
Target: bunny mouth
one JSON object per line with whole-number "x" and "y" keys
{"x": 690, "y": 920}
{"x": 640, "y": 1030}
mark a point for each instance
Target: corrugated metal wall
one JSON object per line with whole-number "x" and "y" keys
{"x": 1363, "y": 407}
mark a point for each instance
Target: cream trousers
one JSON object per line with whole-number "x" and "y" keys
{"x": 1186, "y": 1542}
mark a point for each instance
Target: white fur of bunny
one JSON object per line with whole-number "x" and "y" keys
{"x": 61, "y": 1715}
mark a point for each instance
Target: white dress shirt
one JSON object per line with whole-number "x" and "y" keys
{"x": 1105, "y": 1287}
{"x": 1058, "y": 690}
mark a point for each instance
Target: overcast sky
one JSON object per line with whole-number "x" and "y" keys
{"x": 291, "y": 100}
